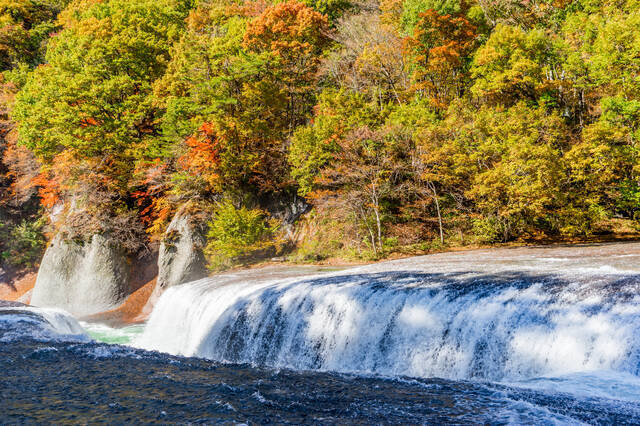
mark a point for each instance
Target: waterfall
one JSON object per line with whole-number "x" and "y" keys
{"x": 43, "y": 324}
{"x": 486, "y": 315}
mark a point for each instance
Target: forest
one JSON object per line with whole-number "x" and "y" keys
{"x": 393, "y": 126}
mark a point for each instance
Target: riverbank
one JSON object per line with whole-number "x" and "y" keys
{"x": 16, "y": 285}
{"x": 403, "y": 253}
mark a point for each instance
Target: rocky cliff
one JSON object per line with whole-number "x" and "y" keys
{"x": 82, "y": 278}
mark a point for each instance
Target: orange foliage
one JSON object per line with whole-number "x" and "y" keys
{"x": 286, "y": 28}
{"x": 88, "y": 122}
{"x": 293, "y": 32}
{"x": 203, "y": 156}
{"x": 154, "y": 208}
{"x": 48, "y": 189}
{"x": 441, "y": 47}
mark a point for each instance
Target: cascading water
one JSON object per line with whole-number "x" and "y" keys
{"x": 45, "y": 324}
{"x": 506, "y": 336}
{"x": 489, "y": 315}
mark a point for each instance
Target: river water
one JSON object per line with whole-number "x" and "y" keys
{"x": 505, "y": 336}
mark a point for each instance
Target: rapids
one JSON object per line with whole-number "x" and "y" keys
{"x": 508, "y": 315}
{"x": 506, "y": 336}
{"x": 41, "y": 324}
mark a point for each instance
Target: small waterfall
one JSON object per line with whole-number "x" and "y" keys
{"x": 483, "y": 315}
{"x": 43, "y": 324}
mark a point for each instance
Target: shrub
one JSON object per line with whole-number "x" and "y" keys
{"x": 23, "y": 244}
{"x": 237, "y": 235}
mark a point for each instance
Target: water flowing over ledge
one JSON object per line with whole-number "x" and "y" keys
{"x": 41, "y": 324}
{"x": 499, "y": 315}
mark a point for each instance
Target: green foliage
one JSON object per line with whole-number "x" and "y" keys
{"x": 25, "y": 26}
{"x": 411, "y": 9}
{"x": 508, "y": 164}
{"x": 333, "y": 9}
{"x": 513, "y": 65}
{"x": 237, "y": 233}
{"x": 312, "y": 147}
{"x": 92, "y": 97}
{"x": 409, "y": 126}
{"x": 22, "y": 245}
{"x": 88, "y": 113}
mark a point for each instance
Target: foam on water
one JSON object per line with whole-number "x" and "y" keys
{"x": 43, "y": 324}
{"x": 601, "y": 384}
{"x": 498, "y": 315}
{"x": 113, "y": 335}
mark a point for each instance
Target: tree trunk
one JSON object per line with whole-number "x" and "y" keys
{"x": 371, "y": 234}
{"x": 376, "y": 210}
{"x": 435, "y": 198}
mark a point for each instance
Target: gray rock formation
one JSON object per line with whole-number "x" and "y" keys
{"x": 81, "y": 278}
{"x": 181, "y": 258}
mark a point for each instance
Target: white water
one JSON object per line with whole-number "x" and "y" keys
{"x": 112, "y": 335}
{"x": 43, "y": 324}
{"x": 533, "y": 317}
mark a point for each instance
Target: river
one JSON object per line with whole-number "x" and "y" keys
{"x": 504, "y": 336}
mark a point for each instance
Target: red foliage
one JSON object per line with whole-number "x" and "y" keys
{"x": 203, "y": 155}
{"x": 48, "y": 189}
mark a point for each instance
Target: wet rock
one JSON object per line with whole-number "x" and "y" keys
{"x": 25, "y": 298}
{"x": 82, "y": 278}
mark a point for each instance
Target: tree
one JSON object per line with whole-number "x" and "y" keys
{"x": 25, "y": 26}
{"x": 441, "y": 47}
{"x": 296, "y": 36}
{"x": 89, "y": 107}
{"x": 515, "y": 65}
{"x": 524, "y": 14}
{"x": 412, "y": 9}
{"x": 600, "y": 45}
{"x": 315, "y": 146}
{"x": 364, "y": 175}
{"x": 508, "y": 165}
{"x": 235, "y": 234}
{"x": 370, "y": 60}
{"x": 604, "y": 170}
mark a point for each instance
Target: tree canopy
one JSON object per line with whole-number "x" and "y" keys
{"x": 403, "y": 124}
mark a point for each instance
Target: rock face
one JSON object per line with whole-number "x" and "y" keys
{"x": 286, "y": 207}
{"x": 181, "y": 258}
{"x": 84, "y": 278}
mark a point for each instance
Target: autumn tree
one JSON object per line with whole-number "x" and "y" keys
{"x": 251, "y": 79}
{"x": 25, "y": 27}
{"x": 370, "y": 59}
{"x": 524, "y": 14}
{"x": 515, "y": 65}
{"x": 508, "y": 165}
{"x": 412, "y": 9}
{"x": 405, "y": 124}
{"x": 85, "y": 113}
{"x": 441, "y": 49}
{"x": 296, "y": 36}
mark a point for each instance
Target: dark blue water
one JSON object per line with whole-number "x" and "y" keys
{"x": 54, "y": 382}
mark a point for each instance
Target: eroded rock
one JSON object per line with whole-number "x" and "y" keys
{"x": 181, "y": 258}
{"x": 82, "y": 278}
